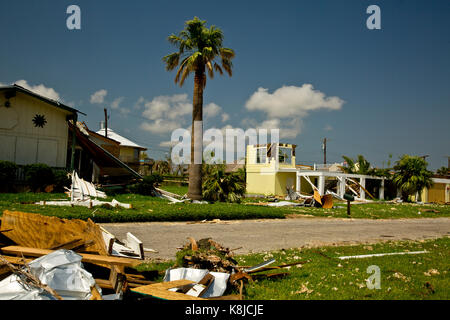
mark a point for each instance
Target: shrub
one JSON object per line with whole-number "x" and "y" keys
{"x": 221, "y": 186}
{"x": 39, "y": 175}
{"x": 7, "y": 175}
{"x": 147, "y": 186}
{"x": 411, "y": 175}
{"x": 61, "y": 180}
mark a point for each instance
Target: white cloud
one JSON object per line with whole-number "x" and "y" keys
{"x": 287, "y": 106}
{"x": 291, "y": 101}
{"x": 99, "y": 96}
{"x": 116, "y": 103}
{"x": 139, "y": 104}
{"x": 41, "y": 90}
{"x": 167, "y": 113}
{"x": 160, "y": 126}
{"x": 211, "y": 110}
{"x": 170, "y": 107}
{"x": 225, "y": 117}
{"x": 168, "y": 144}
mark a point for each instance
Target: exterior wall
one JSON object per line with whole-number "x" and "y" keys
{"x": 284, "y": 180}
{"x": 438, "y": 193}
{"x": 260, "y": 184}
{"x": 127, "y": 154}
{"x": 23, "y": 143}
{"x": 264, "y": 178}
{"x": 112, "y": 148}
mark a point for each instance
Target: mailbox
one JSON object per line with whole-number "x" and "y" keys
{"x": 349, "y": 197}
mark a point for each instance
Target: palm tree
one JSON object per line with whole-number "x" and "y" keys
{"x": 222, "y": 186}
{"x": 411, "y": 175}
{"x": 198, "y": 48}
{"x": 360, "y": 166}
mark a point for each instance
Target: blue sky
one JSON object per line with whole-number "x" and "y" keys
{"x": 392, "y": 84}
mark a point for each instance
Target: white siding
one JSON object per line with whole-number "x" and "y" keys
{"x": 22, "y": 142}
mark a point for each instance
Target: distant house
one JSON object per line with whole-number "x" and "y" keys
{"x": 34, "y": 128}
{"x": 271, "y": 170}
{"x": 439, "y": 192}
{"x": 129, "y": 151}
{"x": 97, "y": 158}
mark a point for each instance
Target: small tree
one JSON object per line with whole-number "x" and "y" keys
{"x": 222, "y": 186}
{"x": 443, "y": 171}
{"x": 411, "y": 175}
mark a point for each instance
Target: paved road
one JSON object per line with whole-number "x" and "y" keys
{"x": 265, "y": 235}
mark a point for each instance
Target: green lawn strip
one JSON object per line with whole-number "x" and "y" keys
{"x": 378, "y": 211}
{"x": 147, "y": 208}
{"x": 325, "y": 277}
{"x": 174, "y": 188}
{"x": 422, "y": 276}
{"x": 144, "y": 209}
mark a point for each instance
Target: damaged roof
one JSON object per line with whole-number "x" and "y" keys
{"x": 124, "y": 142}
{"x": 16, "y": 88}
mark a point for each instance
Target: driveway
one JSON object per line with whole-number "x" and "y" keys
{"x": 265, "y": 235}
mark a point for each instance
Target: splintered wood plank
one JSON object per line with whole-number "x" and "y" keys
{"x": 17, "y": 260}
{"x": 43, "y": 232}
{"x": 161, "y": 290}
{"x": 135, "y": 244}
{"x": 91, "y": 258}
{"x": 95, "y": 294}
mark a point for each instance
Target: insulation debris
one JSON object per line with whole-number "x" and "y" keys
{"x": 83, "y": 193}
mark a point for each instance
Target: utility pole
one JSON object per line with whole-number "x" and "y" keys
{"x": 106, "y": 123}
{"x": 324, "y": 147}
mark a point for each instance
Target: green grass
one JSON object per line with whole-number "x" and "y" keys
{"x": 175, "y": 188}
{"x": 147, "y": 208}
{"x": 323, "y": 276}
{"x": 378, "y": 211}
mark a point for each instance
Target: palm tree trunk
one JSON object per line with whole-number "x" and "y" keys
{"x": 195, "y": 169}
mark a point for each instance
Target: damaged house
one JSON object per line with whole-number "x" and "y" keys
{"x": 271, "y": 170}
{"x": 37, "y": 129}
{"x": 97, "y": 158}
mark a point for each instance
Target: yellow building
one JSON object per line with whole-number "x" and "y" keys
{"x": 266, "y": 175}
{"x": 439, "y": 192}
{"x": 271, "y": 170}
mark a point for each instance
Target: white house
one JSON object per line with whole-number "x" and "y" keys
{"x": 33, "y": 128}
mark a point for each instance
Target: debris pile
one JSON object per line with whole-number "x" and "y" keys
{"x": 207, "y": 271}
{"x": 83, "y": 193}
{"x": 45, "y": 257}
{"x": 48, "y": 258}
{"x": 206, "y": 254}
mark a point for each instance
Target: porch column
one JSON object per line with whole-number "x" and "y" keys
{"x": 321, "y": 185}
{"x": 341, "y": 186}
{"x": 298, "y": 182}
{"x": 362, "y": 181}
{"x": 381, "y": 193}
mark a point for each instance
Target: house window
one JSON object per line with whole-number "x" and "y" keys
{"x": 285, "y": 155}
{"x": 261, "y": 155}
{"x": 136, "y": 154}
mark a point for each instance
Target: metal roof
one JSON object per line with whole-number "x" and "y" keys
{"x": 122, "y": 140}
{"x": 54, "y": 103}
